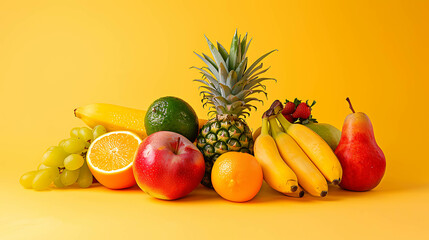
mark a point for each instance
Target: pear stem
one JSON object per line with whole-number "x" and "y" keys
{"x": 350, "y": 104}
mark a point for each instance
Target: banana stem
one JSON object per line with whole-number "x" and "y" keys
{"x": 276, "y": 107}
{"x": 275, "y": 129}
{"x": 283, "y": 121}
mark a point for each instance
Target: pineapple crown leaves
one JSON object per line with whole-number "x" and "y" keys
{"x": 227, "y": 80}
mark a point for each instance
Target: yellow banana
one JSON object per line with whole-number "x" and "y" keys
{"x": 276, "y": 173}
{"x": 309, "y": 177}
{"x": 113, "y": 117}
{"x": 316, "y": 149}
{"x": 299, "y": 193}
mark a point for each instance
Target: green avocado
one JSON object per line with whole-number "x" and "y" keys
{"x": 174, "y": 115}
{"x": 329, "y": 133}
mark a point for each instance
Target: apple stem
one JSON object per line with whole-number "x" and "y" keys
{"x": 350, "y": 104}
{"x": 177, "y": 146}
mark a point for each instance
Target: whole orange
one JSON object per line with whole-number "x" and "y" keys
{"x": 237, "y": 176}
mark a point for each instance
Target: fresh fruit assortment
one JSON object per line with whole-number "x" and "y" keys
{"x": 116, "y": 118}
{"x": 300, "y": 112}
{"x": 316, "y": 149}
{"x": 227, "y": 87}
{"x": 65, "y": 164}
{"x": 293, "y": 153}
{"x": 308, "y": 157}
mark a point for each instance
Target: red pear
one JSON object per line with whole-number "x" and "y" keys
{"x": 362, "y": 160}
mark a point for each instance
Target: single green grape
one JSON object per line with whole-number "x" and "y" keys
{"x": 73, "y": 161}
{"x": 58, "y": 183}
{"x": 85, "y": 177}
{"x": 98, "y": 131}
{"x": 54, "y": 157}
{"x": 73, "y": 145}
{"x": 74, "y": 133}
{"x": 68, "y": 177}
{"x": 26, "y": 180}
{"x": 85, "y": 134}
{"x": 43, "y": 178}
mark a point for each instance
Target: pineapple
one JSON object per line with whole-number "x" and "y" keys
{"x": 228, "y": 85}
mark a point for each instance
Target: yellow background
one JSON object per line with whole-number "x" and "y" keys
{"x": 58, "y": 55}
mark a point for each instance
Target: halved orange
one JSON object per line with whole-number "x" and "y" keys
{"x": 110, "y": 159}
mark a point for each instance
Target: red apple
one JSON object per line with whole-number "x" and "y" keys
{"x": 168, "y": 166}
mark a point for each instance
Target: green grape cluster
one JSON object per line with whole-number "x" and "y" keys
{"x": 65, "y": 164}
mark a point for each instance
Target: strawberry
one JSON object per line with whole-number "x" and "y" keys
{"x": 302, "y": 111}
{"x": 289, "y": 108}
{"x": 290, "y": 118}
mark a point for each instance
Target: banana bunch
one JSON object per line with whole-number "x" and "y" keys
{"x": 293, "y": 157}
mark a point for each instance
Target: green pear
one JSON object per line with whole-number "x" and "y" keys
{"x": 329, "y": 133}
